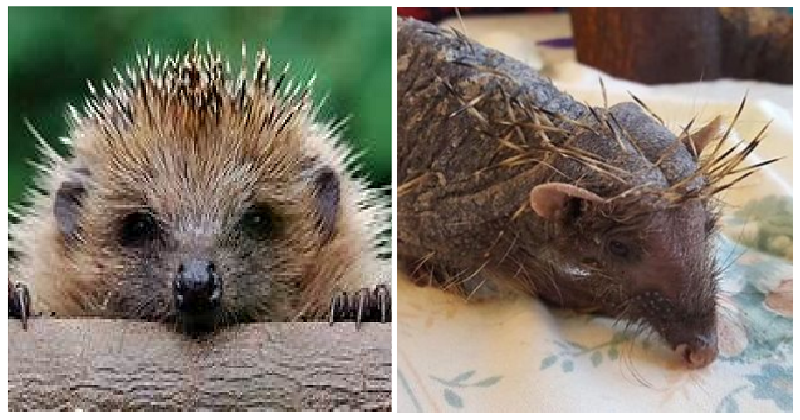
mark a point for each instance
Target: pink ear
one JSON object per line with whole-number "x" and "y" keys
{"x": 702, "y": 137}
{"x": 549, "y": 200}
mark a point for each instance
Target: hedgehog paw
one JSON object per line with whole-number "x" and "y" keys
{"x": 363, "y": 306}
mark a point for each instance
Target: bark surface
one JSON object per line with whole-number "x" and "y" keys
{"x": 72, "y": 364}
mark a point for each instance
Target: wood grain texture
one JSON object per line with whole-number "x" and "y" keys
{"x": 649, "y": 45}
{"x": 126, "y": 365}
{"x": 681, "y": 44}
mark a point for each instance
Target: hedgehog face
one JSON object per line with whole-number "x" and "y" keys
{"x": 198, "y": 196}
{"x": 206, "y": 249}
{"x": 642, "y": 260}
{"x": 668, "y": 275}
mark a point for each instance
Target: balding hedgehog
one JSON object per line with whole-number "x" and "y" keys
{"x": 508, "y": 184}
{"x": 203, "y": 198}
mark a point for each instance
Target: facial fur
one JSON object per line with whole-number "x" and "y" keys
{"x": 635, "y": 257}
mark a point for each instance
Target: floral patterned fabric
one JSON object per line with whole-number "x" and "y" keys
{"x": 518, "y": 355}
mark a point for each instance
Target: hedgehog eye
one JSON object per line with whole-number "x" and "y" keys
{"x": 137, "y": 229}
{"x": 618, "y": 248}
{"x": 259, "y": 222}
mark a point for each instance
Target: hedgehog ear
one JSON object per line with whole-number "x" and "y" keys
{"x": 326, "y": 193}
{"x": 698, "y": 140}
{"x": 67, "y": 203}
{"x": 561, "y": 202}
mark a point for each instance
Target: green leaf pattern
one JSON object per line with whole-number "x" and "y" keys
{"x": 459, "y": 382}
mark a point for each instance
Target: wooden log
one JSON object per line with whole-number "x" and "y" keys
{"x": 108, "y": 365}
{"x": 649, "y": 45}
{"x": 671, "y": 45}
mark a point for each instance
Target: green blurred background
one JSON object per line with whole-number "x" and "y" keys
{"x": 53, "y": 51}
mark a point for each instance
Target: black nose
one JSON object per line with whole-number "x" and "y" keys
{"x": 197, "y": 286}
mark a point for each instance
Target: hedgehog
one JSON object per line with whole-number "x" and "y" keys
{"x": 508, "y": 185}
{"x": 199, "y": 197}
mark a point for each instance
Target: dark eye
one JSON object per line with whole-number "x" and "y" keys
{"x": 259, "y": 222}
{"x": 618, "y": 248}
{"x": 137, "y": 229}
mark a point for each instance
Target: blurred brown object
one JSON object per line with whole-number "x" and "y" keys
{"x": 671, "y": 45}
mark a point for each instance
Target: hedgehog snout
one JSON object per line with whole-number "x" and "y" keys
{"x": 700, "y": 351}
{"x": 197, "y": 286}
{"x": 693, "y": 334}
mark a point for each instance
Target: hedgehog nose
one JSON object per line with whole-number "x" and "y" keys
{"x": 197, "y": 286}
{"x": 701, "y": 351}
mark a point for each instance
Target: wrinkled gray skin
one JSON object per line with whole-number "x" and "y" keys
{"x": 466, "y": 215}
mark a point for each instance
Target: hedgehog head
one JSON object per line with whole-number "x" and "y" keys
{"x": 638, "y": 233}
{"x": 197, "y": 194}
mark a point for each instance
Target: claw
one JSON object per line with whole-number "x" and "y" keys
{"x": 19, "y": 302}
{"x": 24, "y": 302}
{"x": 384, "y": 301}
{"x": 363, "y": 295}
{"x": 366, "y": 305}
{"x": 338, "y": 307}
{"x": 333, "y": 310}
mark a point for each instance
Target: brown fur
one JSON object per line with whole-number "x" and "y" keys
{"x": 196, "y": 147}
